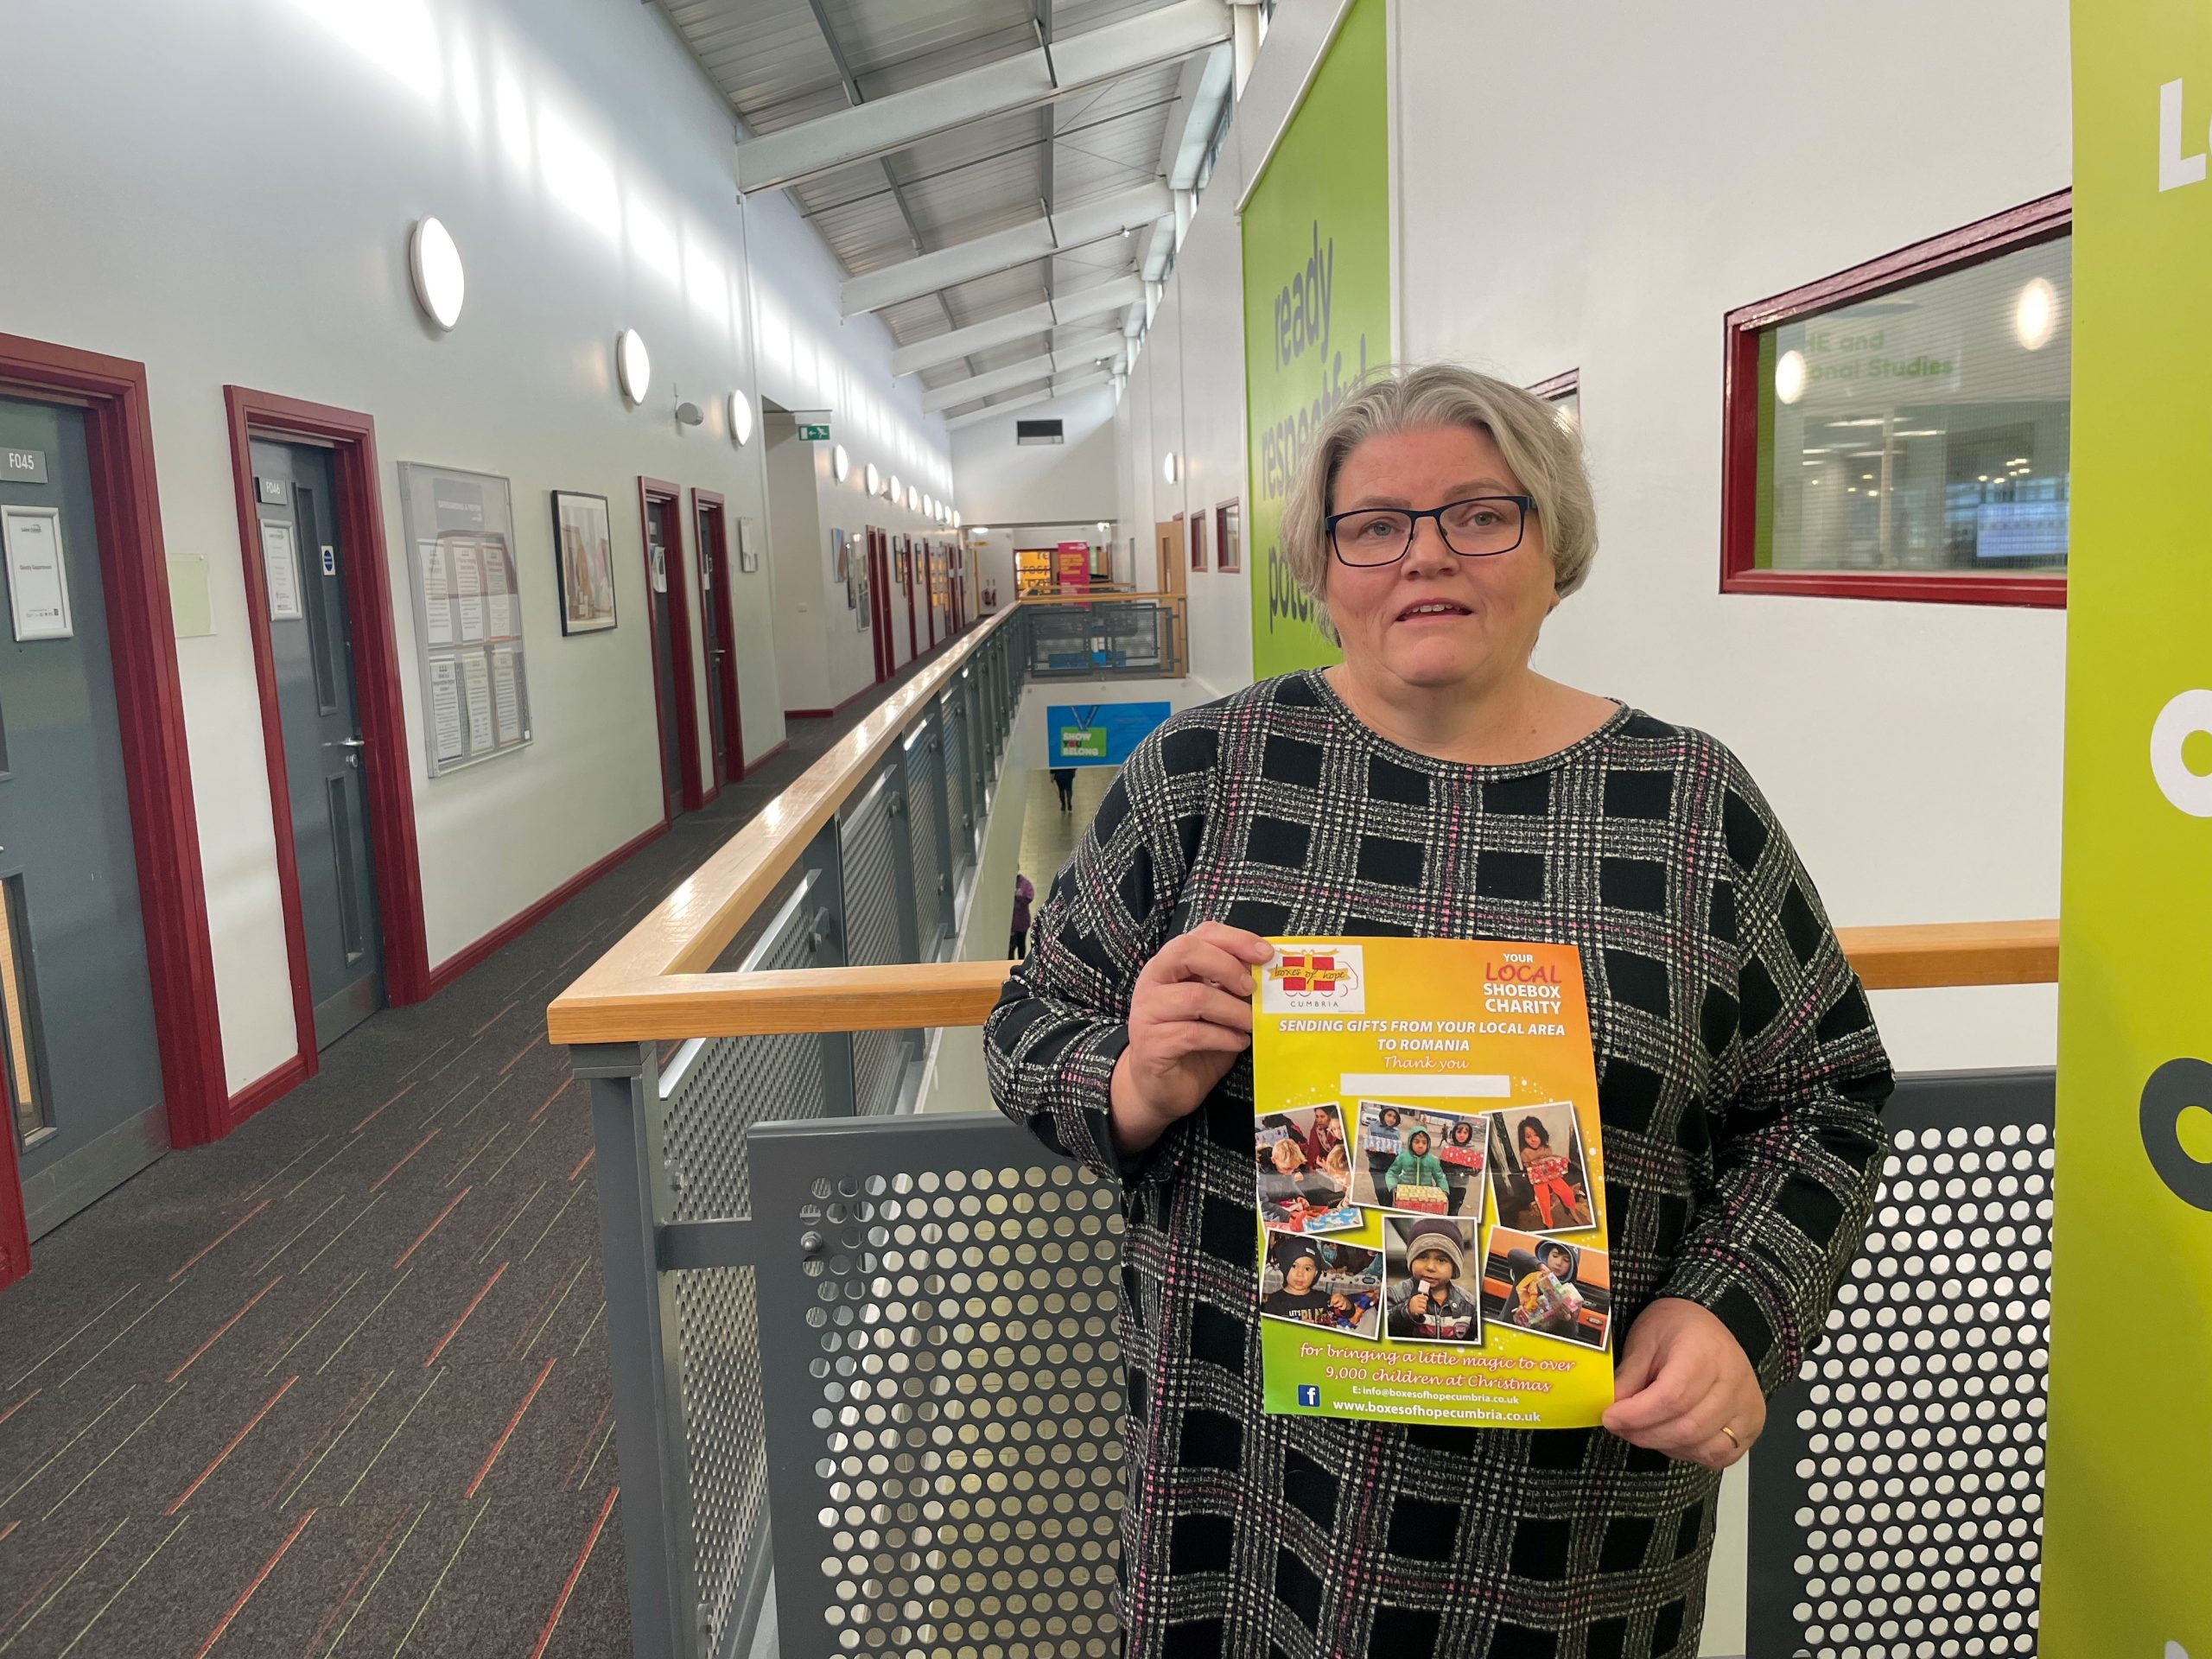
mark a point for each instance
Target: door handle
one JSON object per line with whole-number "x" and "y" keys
{"x": 352, "y": 742}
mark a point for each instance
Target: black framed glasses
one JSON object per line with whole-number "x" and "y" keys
{"x": 1480, "y": 527}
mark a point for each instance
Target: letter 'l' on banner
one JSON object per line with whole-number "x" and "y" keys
{"x": 2127, "y": 1506}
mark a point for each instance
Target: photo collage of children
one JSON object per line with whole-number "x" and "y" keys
{"x": 1478, "y": 1211}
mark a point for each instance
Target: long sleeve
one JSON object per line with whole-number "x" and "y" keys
{"x": 1060, "y": 1022}
{"x": 1797, "y": 1148}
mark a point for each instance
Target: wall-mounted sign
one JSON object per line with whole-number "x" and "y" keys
{"x": 815, "y": 431}
{"x": 1099, "y": 734}
{"x": 1072, "y": 564}
{"x": 38, "y": 572}
{"x": 23, "y": 465}
{"x": 476, "y": 669}
{"x": 272, "y": 490}
{"x": 280, "y": 569}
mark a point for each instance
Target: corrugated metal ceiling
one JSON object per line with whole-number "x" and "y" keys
{"x": 770, "y": 58}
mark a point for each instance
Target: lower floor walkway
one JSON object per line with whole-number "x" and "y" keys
{"x": 337, "y": 1384}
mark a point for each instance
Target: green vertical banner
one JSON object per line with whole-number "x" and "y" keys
{"x": 1317, "y": 303}
{"x": 2127, "y": 1563}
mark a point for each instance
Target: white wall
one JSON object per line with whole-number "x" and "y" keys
{"x": 798, "y": 548}
{"x": 1002, "y": 481}
{"x": 238, "y": 213}
{"x": 1197, "y": 349}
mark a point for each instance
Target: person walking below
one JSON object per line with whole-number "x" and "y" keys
{"x": 1025, "y": 894}
{"x": 1064, "y": 780}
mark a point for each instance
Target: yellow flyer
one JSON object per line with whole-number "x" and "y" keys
{"x": 1431, "y": 1187}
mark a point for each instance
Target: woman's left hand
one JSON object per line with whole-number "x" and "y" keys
{"x": 1685, "y": 1388}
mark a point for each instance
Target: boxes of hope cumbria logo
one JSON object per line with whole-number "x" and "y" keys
{"x": 1314, "y": 977}
{"x": 1438, "y": 1099}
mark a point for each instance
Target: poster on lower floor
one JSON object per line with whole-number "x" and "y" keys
{"x": 1099, "y": 734}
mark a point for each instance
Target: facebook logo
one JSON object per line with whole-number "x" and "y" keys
{"x": 1309, "y": 1393}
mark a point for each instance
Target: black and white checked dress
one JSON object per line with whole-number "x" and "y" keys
{"x": 1740, "y": 1083}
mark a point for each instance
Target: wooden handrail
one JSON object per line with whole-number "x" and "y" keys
{"x": 681, "y": 936}
{"x": 678, "y": 1005}
{"x": 1100, "y": 597}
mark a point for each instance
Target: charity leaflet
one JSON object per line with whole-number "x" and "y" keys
{"x": 1432, "y": 1244}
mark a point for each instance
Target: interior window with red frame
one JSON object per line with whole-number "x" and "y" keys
{"x": 1901, "y": 430}
{"x": 1229, "y": 535}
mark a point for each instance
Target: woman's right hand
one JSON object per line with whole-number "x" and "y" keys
{"x": 1190, "y": 1017}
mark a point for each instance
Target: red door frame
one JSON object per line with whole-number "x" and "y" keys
{"x": 385, "y": 766}
{"x": 679, "y": 639}
{"x": 913, "y": 633}
{"x": 156, "y": 763}
{"x": 929, "y": 589}
{"x": 721, "y": 684}
{"x": 879, "y": 603}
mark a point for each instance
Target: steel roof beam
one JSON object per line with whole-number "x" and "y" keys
{"x": 1074, "y": 306}
{"x": 1073, "y": 226}
{"x": 854, "y": 97}
{"x": 1059, "y": 388}
{"x": 1073, "y": 64}
{"x": 1080, "y": 356}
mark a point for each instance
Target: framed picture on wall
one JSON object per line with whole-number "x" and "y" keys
{"x": 583, "y": 548}
{"x": 749, "y": 546}
{"x": 839, "y": 563}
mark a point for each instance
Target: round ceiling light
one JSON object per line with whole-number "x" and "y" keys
{"x": 2035, "y": 317}
{"x": 1168, "y": 467}
{"x": 435, "y": 262}
{"x": 956, "y": 521}
{"x": 914, "y": 498}
{"x": 841, "y": 464}
{"x": 740, "y": 418}
{"x": 1789, "y": 377}
{"x": 892, "y": 494}
{"x": 635, "y": 364}
{"x": 872, "y": 478}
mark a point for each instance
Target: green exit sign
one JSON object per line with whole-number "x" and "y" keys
{"x": 814, "y": 434}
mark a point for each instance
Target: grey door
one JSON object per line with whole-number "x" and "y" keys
{"x": 310, "y": 636}
{"x": 661, "y": 570}
{"x": 81, "y": 1060}
{"x": 710, "y": 630}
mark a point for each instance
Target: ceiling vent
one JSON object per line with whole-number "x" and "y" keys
{"x": 1038, "y": 432}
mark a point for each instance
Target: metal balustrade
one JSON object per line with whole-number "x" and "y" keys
{"x": 685, "y": 1330}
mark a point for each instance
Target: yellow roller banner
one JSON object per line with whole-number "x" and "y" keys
{"x": 2127, "y": 1563}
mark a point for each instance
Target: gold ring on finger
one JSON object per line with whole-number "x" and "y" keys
{"x": 1731, "y": 1433}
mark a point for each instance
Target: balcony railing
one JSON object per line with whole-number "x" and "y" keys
{"x": 894, "y": 1333}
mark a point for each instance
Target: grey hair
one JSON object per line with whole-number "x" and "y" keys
{"x": 1544, "y": 452}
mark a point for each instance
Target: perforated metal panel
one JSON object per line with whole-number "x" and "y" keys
{"x": 947, "y": 1475}
{"x": 1897, "y": 1494}
{"x": 922, "y": 771}
{"x": 731, "y": 1084}
{"x": 866, "y": 846}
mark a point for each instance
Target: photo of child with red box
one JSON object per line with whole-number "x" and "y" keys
{"x": 1537, "y": 1172}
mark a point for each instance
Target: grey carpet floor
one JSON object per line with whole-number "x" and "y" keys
{"x": 337, "y": 1385}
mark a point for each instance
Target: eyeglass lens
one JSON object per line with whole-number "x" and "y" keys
{"x": 1472, "y": 529}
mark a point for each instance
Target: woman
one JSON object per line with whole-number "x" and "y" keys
{"x": 1548, "y": 1173}
{"x": 1433, "y": 784}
